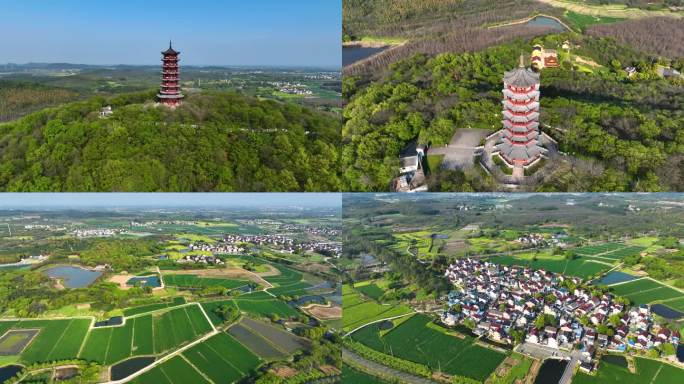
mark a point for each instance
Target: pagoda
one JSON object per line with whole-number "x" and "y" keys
{"x": 519, "y": 144}
{"x": 170, "y": 93}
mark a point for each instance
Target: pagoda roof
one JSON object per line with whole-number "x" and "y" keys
{"x": 521, "y": 76}
{"x": 170, "y": 51}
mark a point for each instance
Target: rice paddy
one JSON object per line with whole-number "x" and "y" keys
{"x": 647, "y": 371}
{"x": 145, "y": 335}
{"x": 418, "y": 341}
{"x": 192, "y": 281}
{"x": 646, "y": 291}
{"x": 288, "y": 283}
{"x": 56, "y": 339}
{"x": 582, "y": 267}
{"x": 359, "y": 310}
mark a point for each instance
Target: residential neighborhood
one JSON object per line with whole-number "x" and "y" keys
{"x": 511, "y": 305}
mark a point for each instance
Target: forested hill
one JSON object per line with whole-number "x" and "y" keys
{"x": 213, "y": 142}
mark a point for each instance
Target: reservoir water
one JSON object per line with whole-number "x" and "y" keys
{"x": 351, "y": 55}
{"x": 616, "y": 277}
{"x": 130, "y": 366}
{"x": 551, "y": 371}
{"x": 145, "y": 281}
{"x": 73, "y": 277}
{"x": 666, "y": 312}
{"x": 543, "y": 21}
{"x": 8, "y": 371}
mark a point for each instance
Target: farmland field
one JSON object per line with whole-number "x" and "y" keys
{"x": 580, "y": 267}
{"x": 255, "y": 343}
{"x": 266, "y": 307}
{"x": 351, "y": 375}
{"x": 57, "y": 339}
{"x": 192, "y": 281}
{"x": 647, "y": 371}
{"x": 359, "y": 311}
{"x": 644, "y": 291}
{"x": 222, "y": 358}
{"x": 109, "y": 345}
{"x": 284, "y": 341}
{"x": 370, "y": 289}
{"x": 288, "y": 283}
{"x": 209, "y": 307}
{"x": 591, "y": 250}
{"x": 417, "y": 341}
{"x": 676, "y": 304}
{"x": 153, "y": 307}
{"x": 173, "y": 371}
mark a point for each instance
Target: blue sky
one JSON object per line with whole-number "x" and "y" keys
{"x": 112, "y": 200}
{"x": 207, "y": 32}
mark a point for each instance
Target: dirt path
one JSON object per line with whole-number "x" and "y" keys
{"x": 610, "y": 10}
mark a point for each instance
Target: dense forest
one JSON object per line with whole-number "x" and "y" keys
{"x": 622, "y": 133}
{"x": 213, "y": 142}
{"x": 657, "y": 35}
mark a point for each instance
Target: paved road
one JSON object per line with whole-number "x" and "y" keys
{"x": 570, "y": 368}
{"x": 404, "y": 377}
{"x": 542, "y": 352}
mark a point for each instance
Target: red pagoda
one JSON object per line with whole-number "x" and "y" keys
{"x": 519, "y": 143}
{"x": 170, "y": 93}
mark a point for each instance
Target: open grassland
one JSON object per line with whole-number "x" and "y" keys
{"x": 582, "y": 267}
{"x": 645, "y": 291}
{"x": 288, "y": 283}
{"x": 153, "y": 307}
{"x": 57, "y": 339}
{"x": 359, "y": 311}
{"x": 192, "y": 281}
{"x": 417, "y": 340}
{"x": 647, "y": 371}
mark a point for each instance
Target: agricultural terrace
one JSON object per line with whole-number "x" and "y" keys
{"x": 220, "y": 358}
{"x": 647, "y": 371}
{"x": 583, "y": 267}
{"x": 421, "y": 341}
{"x": 420, "y": 241}
{"x": 647, "y": 291}
{"x": 259, "y": 304}
{"x": 358, "y": 310}
{"x": 288, "y": 283}
{"x": 145, "y": 335}
{"x": 56, "y": 339}
{"x": 192, "y": 281}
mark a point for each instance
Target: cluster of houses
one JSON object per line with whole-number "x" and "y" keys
{"x": 286, "y": 244}
{"x": 533, "y": 240}
{"x": 503, "y": 299}
{"x": 291, "y": 88}
{"x": 98, "y": 232}
{"x": 218, "y": 248}
{"x": 200, "y": 259}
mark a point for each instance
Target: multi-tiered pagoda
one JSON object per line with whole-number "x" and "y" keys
{"x": 519, "y": 143}
{"x": 170, "y": 93}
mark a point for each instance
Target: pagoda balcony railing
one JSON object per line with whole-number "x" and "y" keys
{"x": 520, "y": 102}
{"x": 170, "y": 72}
{"x": 521, "y": 91}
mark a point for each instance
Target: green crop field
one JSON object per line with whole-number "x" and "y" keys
{"x": 580, "y": 267}
{"x": 154, "y": 307}
{"x": 371, "y": 290}
{"x": 676, "y": 304}
{"x": 591, "y": 250}
{"x": 359, "y": 311}
{"x": 288, "y": 283}
{"x": 173, "y": 371}
{"x": 191, "y": 281}
{"x": 265, "y": 308}
{"x": 57, "y": 339}
{"x": 645, "y": 291}
{"x": 416, "y": 340}
{"x": 222, "y": 358}
{"x": 582, "y": 21}
{"x": 623, "y": 252}
{"x": 108, "y": 345}
{"x": 351, "y": 375}
{"x": 647, "y": 371}
{"x": 210, "y": 306}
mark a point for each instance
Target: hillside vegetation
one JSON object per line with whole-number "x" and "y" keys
{"x": 18, "y": 98}
{"x": 213, "y": 142}
{"x": 657, "y": 35}
{"x": 622, "y": 133}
